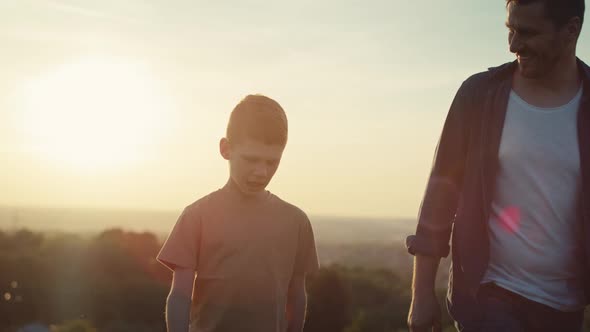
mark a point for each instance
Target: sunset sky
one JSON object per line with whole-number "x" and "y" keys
{"x": 122, "y": 103}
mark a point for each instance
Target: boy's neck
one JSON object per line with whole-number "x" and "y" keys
{"x": 232, "y": 189}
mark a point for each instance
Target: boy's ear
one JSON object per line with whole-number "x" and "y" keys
{"x": 224, "y": 148}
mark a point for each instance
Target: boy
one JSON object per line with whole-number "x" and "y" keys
{"x": 249, "y": 249}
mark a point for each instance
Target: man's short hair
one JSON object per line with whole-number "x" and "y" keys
{"x": 258, "y": 117}
{"x": 558, "y": 11}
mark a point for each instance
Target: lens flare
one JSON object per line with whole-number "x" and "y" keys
{"x": 509, "y": 219}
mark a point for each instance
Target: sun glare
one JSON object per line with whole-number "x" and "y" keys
{"x": 94, "y": 114}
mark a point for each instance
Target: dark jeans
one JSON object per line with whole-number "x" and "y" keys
{"x": 509, "y": 312}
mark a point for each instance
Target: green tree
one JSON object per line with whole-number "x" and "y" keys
{"x": 329, "y": 308}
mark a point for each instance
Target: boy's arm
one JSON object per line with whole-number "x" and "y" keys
{"x": 178, "y": 305}
{"x": 296, "y": 303}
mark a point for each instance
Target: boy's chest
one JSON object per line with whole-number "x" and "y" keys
{"x": 246, "y": 247}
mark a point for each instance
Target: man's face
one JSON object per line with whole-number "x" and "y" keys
{"x": 252, "y": 163}
{"x": 537, "y": 42}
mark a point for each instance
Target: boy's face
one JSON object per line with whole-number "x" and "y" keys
{"x": 252, "y": 163}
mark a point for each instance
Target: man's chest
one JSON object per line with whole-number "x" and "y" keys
{"x": 543, "y": 142}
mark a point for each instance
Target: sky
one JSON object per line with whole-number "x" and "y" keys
{"x": 122, "y": 104}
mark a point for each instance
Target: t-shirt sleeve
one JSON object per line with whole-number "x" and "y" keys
{"x": 307, "y": 258}
{"x": 182, "y": 245}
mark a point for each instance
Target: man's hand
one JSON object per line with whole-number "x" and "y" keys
{"x": 425, "y": 314}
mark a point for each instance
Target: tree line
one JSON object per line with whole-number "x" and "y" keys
{"x": 111, "y": 282}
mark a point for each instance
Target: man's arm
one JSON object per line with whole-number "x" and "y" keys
{"x": 441, "y": 198}
{"x": 178, "y": 305}
{"x": 425, "y": 313}
{"x": 425, "y": 269}
{"x": 296, "y": 303}
{"x": 437, "y": 214}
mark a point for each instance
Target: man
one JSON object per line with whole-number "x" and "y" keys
{"x": 511, "y": 182}
{"x": 249, "y": 249}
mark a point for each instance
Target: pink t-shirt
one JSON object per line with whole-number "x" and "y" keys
{"x": 244, "y": 254}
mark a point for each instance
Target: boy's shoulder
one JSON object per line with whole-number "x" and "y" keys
{"x": 289, "y": 208}
{"x": 197, "y": 206}
{"x": 214, "y": 200}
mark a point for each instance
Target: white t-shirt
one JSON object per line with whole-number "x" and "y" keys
{"x": 534, "y": 228}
